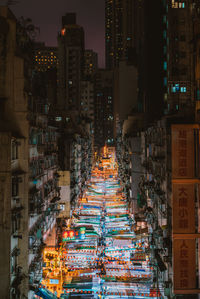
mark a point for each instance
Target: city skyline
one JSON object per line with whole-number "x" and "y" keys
{"x": 91, "y": 19}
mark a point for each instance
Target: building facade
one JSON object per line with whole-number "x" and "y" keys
{"x": 71, "y": 63}
{"x": 104, "y": 119}
{"x": 118, "y": 32}
{"x": 90, "y": 64}
{"x": 29, "y": 147}
{"x": 46, "y": 58}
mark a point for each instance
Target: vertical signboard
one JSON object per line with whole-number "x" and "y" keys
{"x": 182, "y": 151}
{"x": 184, "y": 261}
{"x": 183, "y": 207}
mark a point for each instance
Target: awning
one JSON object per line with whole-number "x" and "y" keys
{"x": 45, "y": 294}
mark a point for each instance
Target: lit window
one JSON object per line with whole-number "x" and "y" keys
{"x": 58, "y": 118}
{"x": 198, "y": 94}
{"x": 63, "y": 31}
{"x": 173, "y": 89}
{"x": 183, "y": 89}
{"x": 165, "y": 65}
{"x": 177, "y": 87}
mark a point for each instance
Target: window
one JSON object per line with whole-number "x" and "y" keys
{"x": 198, "y": 94}
{"x": 14, "y": 150}
{"x": 15, "y": 222}
{"x": 58, "y": 118}
{"x": 178, "y": 4}
{"x": 165, "y": 65}
{"x": 15, "y": 187}
{"x": 13, "y": 263}
{"x": 183, "y": 89}
{"x": 182, "y": 38}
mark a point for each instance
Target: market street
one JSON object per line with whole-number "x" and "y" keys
{"x": 100, "y": 255}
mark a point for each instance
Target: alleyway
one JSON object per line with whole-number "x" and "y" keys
{"x": 100, "y": 256}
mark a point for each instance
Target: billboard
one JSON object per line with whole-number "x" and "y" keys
{"x": 182, "y": 151}
{"x": 184, "y": 261}
{"x": 183, "y": 211}
{"x": 184, "y": 147}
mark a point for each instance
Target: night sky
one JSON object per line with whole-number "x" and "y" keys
{"x": 47, "y": 15}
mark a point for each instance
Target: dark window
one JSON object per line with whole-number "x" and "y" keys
{"x": 182, "y": 38}
{"x": 14, "y": 150}
{"x": 15, "y": 187}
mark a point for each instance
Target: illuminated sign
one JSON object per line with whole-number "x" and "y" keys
{"x": 82, "y": 233}
{"x": 53, "y": 281}
{"x": 71, "y": 235}
{"x": 68, "y": 235}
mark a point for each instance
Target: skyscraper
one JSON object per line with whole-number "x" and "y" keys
{"x": 71, "y": 58}
{"x": 103, "y": 108}
{"x": 118, "y": 31}
{"x": 45, "y": 57}
{"x": 90, "y": 64}
{"x": 178, "y": 62}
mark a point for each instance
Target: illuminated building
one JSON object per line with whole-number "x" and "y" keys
{"x": 90, "y": 64}
{"x": 118, "y": 31}
{"x": 87, "y": 99}
{"x": 104, "y": 119}
{"x": 71, "y": 63}
{"x": 178, "y": 60}
{"x": 29, "y": 153}
{"x": 45, "y": 58}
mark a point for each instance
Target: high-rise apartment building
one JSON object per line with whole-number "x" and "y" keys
{"x": 167, "y": 58}
{"x": 178, "y": 64}
{"x": 45, "y": 58}
{"x": 87, "y": 99}
{"x": 118, "y": 31}
{"x": 90, "y": 64}
{"x": 71, "y": 63}
{"x": 28, "y": 164}
{"x": 103, "y": 108}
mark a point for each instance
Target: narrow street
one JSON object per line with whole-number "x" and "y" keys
{"x": 100, "y": 255}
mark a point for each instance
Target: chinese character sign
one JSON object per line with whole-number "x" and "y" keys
{"x": 182, "y": 152}
{"x": 183, "y": 208}
{"x": 185, "y": 264}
